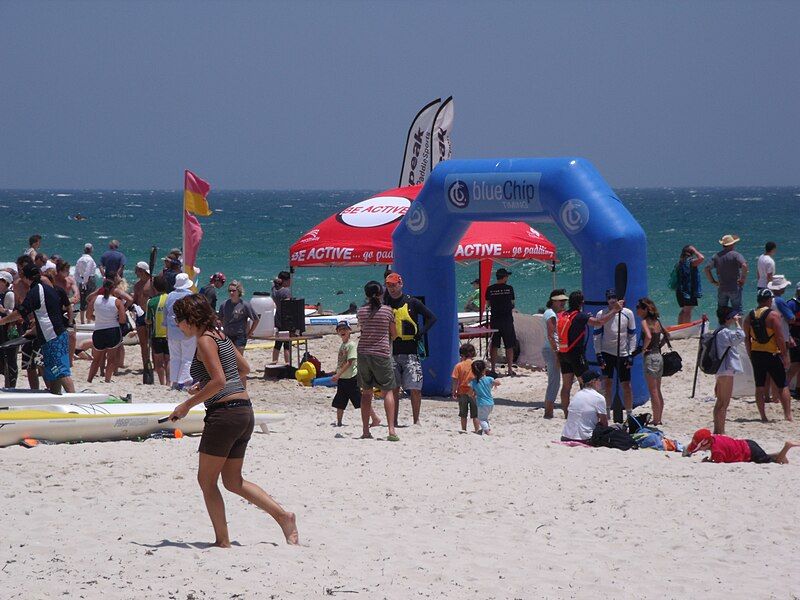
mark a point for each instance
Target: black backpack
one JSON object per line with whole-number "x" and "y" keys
{"x": 611, "y": 437}
{"x": 710, "y": 360}
{"x": 758, "y": 325}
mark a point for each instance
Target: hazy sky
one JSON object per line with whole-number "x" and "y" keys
{"x": 321, "y": 94}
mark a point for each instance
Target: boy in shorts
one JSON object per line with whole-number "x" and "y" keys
{"x": 726, "y": 449}
{"x": 461, "y": 389}
{"x": 346, "y": 375}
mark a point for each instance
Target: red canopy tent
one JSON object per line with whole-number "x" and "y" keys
{"x": 361, "y": 234}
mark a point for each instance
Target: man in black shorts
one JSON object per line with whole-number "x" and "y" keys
{"x": 614, "y": 345}
{"x": 768, "y": 353}
{"x": 500, "y": 297}
{"x": 572, "y": 327}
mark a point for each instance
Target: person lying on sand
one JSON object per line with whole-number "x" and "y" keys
{"x": 726, "y": 449}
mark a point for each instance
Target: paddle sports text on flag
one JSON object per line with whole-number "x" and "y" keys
{"x": 441, "y": 147}
{"x": 417, "y": 155}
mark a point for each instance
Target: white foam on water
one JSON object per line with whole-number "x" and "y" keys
{"x": 62, "y": 237}
{"x": 62, "y": 195}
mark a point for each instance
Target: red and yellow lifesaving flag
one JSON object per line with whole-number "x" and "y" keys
{"x": 195, "y": 191}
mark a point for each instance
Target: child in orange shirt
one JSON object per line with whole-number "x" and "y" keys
{"x": 461, "y": 390}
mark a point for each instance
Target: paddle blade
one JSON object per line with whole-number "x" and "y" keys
{"x": 621, "y": 279}
{"x": 153, "y": 255}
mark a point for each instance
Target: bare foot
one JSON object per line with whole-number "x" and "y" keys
{"x": 225, "y": 544}
{"x": 375, "y": 423}
{"x": 289, "y": 527}
{"x": 366, "y": 436}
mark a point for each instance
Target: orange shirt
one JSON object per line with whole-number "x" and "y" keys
{"x": 462, "y": 373}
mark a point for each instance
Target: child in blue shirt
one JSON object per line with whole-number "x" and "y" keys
{"x": 482, "y": 387}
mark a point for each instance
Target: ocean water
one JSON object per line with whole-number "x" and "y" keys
{"x": 250, "y": 232}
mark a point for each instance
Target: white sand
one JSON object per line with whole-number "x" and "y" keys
{"x": 439, "y": 514}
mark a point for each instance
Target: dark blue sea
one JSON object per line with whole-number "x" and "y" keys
{"x": 250, "y": 232}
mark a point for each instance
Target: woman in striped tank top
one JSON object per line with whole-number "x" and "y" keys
{"x": 220, "y": 372}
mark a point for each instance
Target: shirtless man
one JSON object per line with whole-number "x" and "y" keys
{"x": 142, "y": 292}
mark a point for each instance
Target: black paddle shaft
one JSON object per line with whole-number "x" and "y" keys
{"x": 621, "y": 286}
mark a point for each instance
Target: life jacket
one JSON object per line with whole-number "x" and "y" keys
{"x": 159, "y": 325}
{"x": 762, "y": 338}
{"x": 406, "y": 326}
{"x": 564, "y": 324}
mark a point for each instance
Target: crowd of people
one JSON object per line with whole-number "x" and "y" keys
{"x": 41, "y": 296}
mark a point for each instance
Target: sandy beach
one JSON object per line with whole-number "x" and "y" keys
{"x": 439, "y": 515}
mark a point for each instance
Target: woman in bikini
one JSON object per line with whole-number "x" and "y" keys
{"x": 653, "y": 337}
{"x": 220, "y": 371}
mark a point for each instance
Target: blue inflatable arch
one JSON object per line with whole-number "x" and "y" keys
{"x": 568, "y": 191}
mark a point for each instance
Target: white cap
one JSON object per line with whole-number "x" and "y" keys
{"x": 88, "y": 246}
{"x": 143, "y": 266}
{"x": 7, "y": 277}
{"x": 49, "y": 265}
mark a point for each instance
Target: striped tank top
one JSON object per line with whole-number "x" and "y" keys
{"x": 227, "y": 357}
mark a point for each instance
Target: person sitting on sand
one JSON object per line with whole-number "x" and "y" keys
{"x": 220, "y": 371}
{"x": 461, "y": 389}
{"x": 482, "y": 387}
{"x": 726, "y": 449}
{"x": 586, "y": 409}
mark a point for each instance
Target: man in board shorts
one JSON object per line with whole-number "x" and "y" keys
{"x": 501, "y": 300}
{"x": 768, "y": 352}
{"x": 407, "y": 311}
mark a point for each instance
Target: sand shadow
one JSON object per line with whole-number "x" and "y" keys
{"x": 497, "y": 401}
{"x": 185, "y": 545}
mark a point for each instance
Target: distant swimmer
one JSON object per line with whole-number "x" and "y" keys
{"x": 78, "y": 217}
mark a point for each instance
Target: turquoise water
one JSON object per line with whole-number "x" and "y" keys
{"x": 250, "y": 232}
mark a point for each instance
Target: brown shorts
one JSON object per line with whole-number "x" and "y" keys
{"x": 227, "y": 431}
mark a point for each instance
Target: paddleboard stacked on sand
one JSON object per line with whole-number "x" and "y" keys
{"x": 55, "y": 421}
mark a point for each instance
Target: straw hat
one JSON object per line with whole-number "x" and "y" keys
{"x": 729, "y": 240}
{"x": 779, "y": 282}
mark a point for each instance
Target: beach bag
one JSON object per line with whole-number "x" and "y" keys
{"x": 710, "y": 360}
{"x": 672, "y": 360}
{"x": 637, "y": 422}
{"x": 610, "y": 437}
{"x": 758, "y": 326}
{"x": 672, "y": 283}
{"x": 564, "y": 323}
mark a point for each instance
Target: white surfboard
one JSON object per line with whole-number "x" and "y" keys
{"x": 10, "y": 397}
{"x": 103, "y": 422}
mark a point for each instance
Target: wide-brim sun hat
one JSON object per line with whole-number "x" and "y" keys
{"x": 729, "y": 240}
{"x": 182, "y": 282}
{"x": 779, "y": 282}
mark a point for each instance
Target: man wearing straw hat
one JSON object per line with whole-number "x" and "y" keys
{"x": 731, "y": 270}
